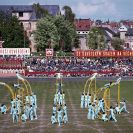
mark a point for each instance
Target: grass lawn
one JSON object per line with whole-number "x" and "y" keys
{"x": 45, "y": 90}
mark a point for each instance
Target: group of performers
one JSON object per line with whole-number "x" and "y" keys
{"x": 22, "y": 110}
{"x": 59, "y": 114}
{"x": 96, "y": 108}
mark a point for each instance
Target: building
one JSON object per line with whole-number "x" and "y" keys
{"x": 129, "y": 38}
{"x": 127, "y": 23}
{"x": 109, "y": 34}
{"x": 126, "y": 34}
{"x": 27, "y": 16}
{"x": 82, "y": 28}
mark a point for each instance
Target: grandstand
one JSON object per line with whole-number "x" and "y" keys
{"x": 69, "y": 66}
{"x": 73, "y": 66}
{"x": 9, "y": 66}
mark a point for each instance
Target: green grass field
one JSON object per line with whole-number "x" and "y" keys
{"x": 45, "y": 90}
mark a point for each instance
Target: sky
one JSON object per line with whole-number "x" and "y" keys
{"x": 114, "y": 10}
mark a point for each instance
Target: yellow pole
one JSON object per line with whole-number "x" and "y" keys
{"x": 106, "y": 98}
{"x": 25, "y": 87}
{"x": 9, "y": 88}
{"x": 23, "y": 95}
{"x": 97, "y": 92}
{"x": 89, "y": 88}
{"x": 94, "y": 90}
{"x": 29, "y": 86}
{"x": 118, "y": 95}
{"x": 56, "y": 86}
{"x": 86, "y": 85}
{"x": 109, "y": 99}
{"x": 95, "y": 86}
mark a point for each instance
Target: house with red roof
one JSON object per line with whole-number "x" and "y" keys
{"x": 82, "y": 28}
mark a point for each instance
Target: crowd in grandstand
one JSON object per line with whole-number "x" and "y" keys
{"x": 123, "y": 66}
{"x": 104, "y": 66}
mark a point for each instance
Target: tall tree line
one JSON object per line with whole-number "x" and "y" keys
{"x": 12, "y": 32}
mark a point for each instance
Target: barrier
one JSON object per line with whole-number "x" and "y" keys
{"x": 71, "y": 72}
{"x": 10, "y": 72}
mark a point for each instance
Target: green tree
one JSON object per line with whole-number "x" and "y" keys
{"x": 96, "y": 39}
{"x": 76, "y": 41}
{"x": 66, "y": 32}
{"x": 12, "y": 32}
{"x": 40, "y": 12}
{"x": 117, "y": 43}
{"x": 46, "y": 35}
{"x": 69, "y": 15}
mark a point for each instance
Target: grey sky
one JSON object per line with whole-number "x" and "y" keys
{"x": 94, "y": 9}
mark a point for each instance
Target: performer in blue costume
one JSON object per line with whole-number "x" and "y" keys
{"x": 104, "y": 117}
{"x": 124, "y": 107}
{"x": 53, "y": 119}
{"x": 59, "y": 117}
{"x": 112, "y": 115}
{"x": 15, "y": 114}
{"x": 65, "y": 118}
{"x": 89, "y": 115}
{"x": 3, "y": 109}
{"x": 82, "y": 101}
{"x": 24, "y": 117}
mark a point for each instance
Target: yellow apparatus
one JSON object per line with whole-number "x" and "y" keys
{"x": 103, "y": 92}
{"x": 26, "y": 84}
{"x": 91, "y": 86}
{"x": 21, "y": 90}
{"x": 107, "y": 94}
{"x": 9, "y": 89}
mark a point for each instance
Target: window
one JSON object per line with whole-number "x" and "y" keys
{"x": 20, "y": 14}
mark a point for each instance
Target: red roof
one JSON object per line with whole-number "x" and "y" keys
{"x": 127, "y": 23}
{"x": 114, "y": 24}
{"x": 83, "y": 24}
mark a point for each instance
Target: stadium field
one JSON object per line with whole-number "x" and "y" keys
{"x": 78, "y": 123}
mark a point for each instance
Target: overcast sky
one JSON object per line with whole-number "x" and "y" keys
{"x": 94, "y": 9}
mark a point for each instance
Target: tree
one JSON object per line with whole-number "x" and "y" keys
{"x": 12, "y": 32}
{"x": 96, "y": 39}
{"x": 76, "y": 41}
{"x": 66, "y": 32}
{"x": 40, "y": 12}
{"x": 117, "y": 43}
{"x": 69, "y": 15}
{"x": 46, "y": 35}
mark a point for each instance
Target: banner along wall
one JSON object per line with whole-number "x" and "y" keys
{"x": 96, "y": 53}
{"x": 14, "y": 51}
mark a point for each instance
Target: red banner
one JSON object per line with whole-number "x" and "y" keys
{"x": 96, "y": 53}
